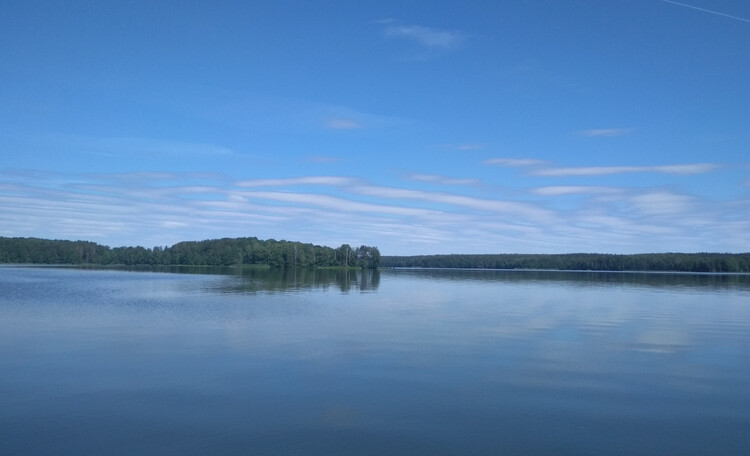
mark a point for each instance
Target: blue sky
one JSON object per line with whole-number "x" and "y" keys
{"x": 533, "y": 126}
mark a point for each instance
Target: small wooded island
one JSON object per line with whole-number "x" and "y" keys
{"x": 289, "y": 254}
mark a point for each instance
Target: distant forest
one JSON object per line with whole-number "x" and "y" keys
{"x": 214, "y": 252}
{"x": 288, "y": 254}
{"x": 679, "y": 262}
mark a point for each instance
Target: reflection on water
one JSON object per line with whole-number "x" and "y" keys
{"x": 254, "y": 279}
{"x": 585, "y": 278}
{"x": 424, "y": 362}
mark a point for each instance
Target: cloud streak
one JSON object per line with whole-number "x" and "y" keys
{"x": 562, "y": 190}
{"x": 696, "y": 168}
{"x": 331, "y": 202}
{"x": 428, "y": 37}
{"x": 342, "y": 124}
{"x": 605, "y": 132}
{"x": 295, "y": 181}
{"x": 467, "y": 146}
{"x": 130, "y": 146}
{"x": 514, "y": 162}
{"x": 442, "y": 179}
{"x": 662, "y": 203}
{"x": 452, "y": 199}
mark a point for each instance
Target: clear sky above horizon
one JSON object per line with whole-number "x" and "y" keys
{"x": 534, "y": 126}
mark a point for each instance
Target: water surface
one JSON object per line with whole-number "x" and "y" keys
{"x": 391, "y": 362}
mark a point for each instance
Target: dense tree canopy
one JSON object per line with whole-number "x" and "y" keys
{"x": 250, "y": 250}
{"x": 214, "y": 252}
{"x": 684, "y": 262}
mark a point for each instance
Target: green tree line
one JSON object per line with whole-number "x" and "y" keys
{"x": 212, "y": 252}
{"x": 681, "y": 262}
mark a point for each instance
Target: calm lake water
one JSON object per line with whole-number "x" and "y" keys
{"x": 428, "y": 362}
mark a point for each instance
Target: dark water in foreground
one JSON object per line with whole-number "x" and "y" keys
{"x": 396, "y": 362}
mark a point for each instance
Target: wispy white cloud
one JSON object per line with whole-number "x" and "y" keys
{"x": 335, "y": 117}
{"x": 467, "y": 146}
{"x": 514, "y": 162}
{"x": 294, "y": 181}
{"x": 481, "y": 204}
{"x": 342, "y": 124}
{"x": 662, "y": 203}
{"x": 560, "y": 190}
{"x": 323, "y": 159}
{"x": 332, "y": 202}
{"x": 694, "y": 168}
{"x": 163, "y": 208}
{"x": 428, "y": 37}
{"x": 605, "y": 132}
{"x": 135, "y": 176}
{"x": 433, "y": 178}
{"x": 130, "y": 146}
{"x": 261, "y": 113}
